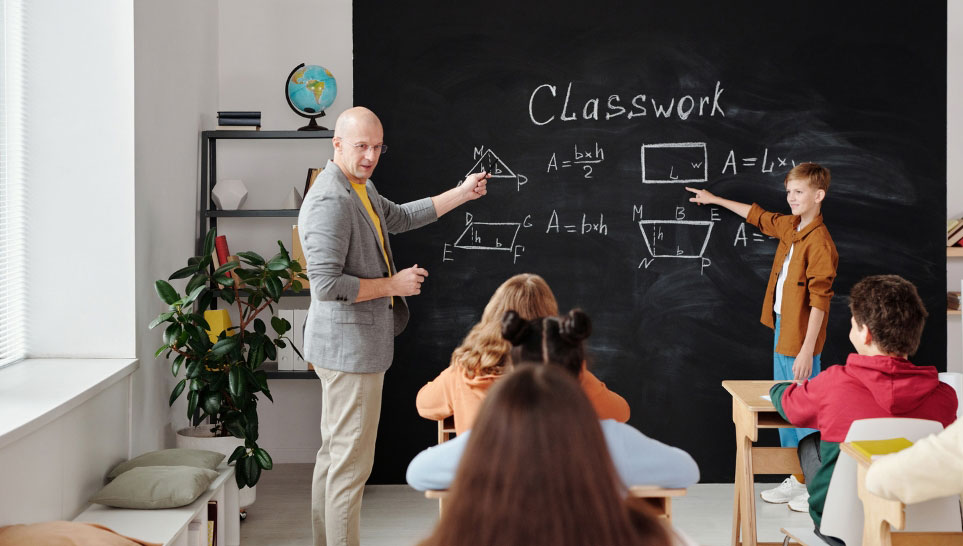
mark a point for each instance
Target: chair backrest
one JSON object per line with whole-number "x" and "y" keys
{"x": 843, "y": 511}
{"x": 955, "y": 380}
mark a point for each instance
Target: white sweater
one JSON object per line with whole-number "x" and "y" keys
{"x": 931, "y": 468}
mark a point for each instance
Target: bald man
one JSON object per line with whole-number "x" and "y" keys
{"x": 357, "y": 307}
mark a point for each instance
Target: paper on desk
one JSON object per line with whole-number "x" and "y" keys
{"x": 766, "y": 397}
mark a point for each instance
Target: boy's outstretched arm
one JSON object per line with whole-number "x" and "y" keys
{"x": 705, "y": 197}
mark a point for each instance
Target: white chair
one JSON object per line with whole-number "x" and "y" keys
{"x": 843, "y": 511}
{"x": 955, "y": 380}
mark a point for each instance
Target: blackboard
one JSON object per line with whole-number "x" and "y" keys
{"x": 596, "y": 113}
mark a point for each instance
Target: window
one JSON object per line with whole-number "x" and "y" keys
{"x": 12, "y": 185}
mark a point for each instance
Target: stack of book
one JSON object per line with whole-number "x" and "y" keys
{"x": 953, "y": 300}
{"x": 954, "y": 232}
{"x": 233, "y": 121}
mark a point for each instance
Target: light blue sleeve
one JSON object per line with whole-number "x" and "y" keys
{"x": 640, "y": 460}
{"x": 435, "y": 467}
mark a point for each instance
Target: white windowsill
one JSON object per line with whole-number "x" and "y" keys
{"x": 34, "y": 392}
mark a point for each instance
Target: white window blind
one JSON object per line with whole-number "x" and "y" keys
{"x": 12, "y": 185}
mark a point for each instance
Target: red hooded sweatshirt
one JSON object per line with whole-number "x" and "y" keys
{"x": 868, "y": 387}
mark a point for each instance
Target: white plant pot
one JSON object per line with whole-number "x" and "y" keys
{"x": 201, "y": 438}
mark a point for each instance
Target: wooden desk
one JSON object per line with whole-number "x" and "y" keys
{"x": 881, "y": 515}
{"x": 751, "y": 412}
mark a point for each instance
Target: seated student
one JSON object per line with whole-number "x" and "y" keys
{"x": 528, "y": 339}
{"x": 536, "y": 471}
{"x": 483, "y": 358}
{"x": 878, "y": 381}
{"x": 929, "y": 469}
{"x": 639, "y": 460}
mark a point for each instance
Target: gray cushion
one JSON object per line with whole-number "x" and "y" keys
{"x": 150, "y": 487}
{"x": 199, "y": 458}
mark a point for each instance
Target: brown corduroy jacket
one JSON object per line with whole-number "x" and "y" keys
{"x": 809, "y": 279}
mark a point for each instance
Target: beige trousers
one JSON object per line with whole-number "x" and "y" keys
{"x": 350, "y": 411}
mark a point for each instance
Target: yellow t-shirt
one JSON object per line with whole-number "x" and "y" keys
{"x": 362, "y": 192}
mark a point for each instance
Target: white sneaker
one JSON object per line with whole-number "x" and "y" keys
{"x": 789, "y": 489}
{"x": 800, "y": 503}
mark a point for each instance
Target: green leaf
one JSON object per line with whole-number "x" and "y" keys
{"x": 166, "y": 292}
{"x": 191, "y": 404}
{"x": 224, "y": 346}
{"x": 225, "y": 268}
{"x": 192, "y": 294}
{"x": 252, "y": 469}
{"x": 176, "y": 365}
{"x": 252, "y": 258}
{"x": 197, "y": 280}
{"x": 295, "y": 266}
{"x": 263, "y": 459}
{"x": 273, "y": 287}
{"x": 160, "y": 350}
{"x": 262, "y": 380}
{"x": 256, "y": 355}
{"x": 297, "y": 286}
{"x": 280, "y": 343}
{"x": 209, "y": 242}
{"x": 254, "y": 299}
{"x": 235, "y": 428}
{"x": 228, "y": 296}
{"x": 238, "y": 452}
{"x": 160, "y": 318}
{"x": 212, "y": 403}
{"x": 270, "y": 351}
{"x": 280, "y": 325}
{"x": 235, "y": 383}
{"x": 259, "y": 326}
{"x": 284, "y": 251}
{"x": 240, "y": 477}
{"x": 199, "y": 320}
{"x": 278, "y": 263}
{"x": 224, "y": 280}
{"x": 178, "y": 389}
{"x": 183, "y": 272}
{"x": 171, "y": 333}
{"x": 204, "y": 302}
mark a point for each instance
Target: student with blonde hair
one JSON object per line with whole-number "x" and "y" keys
{"x": 536, "y": 471}
{"x": 483, "y": 357}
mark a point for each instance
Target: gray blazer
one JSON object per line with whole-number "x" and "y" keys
{"x": 341, "y": 247}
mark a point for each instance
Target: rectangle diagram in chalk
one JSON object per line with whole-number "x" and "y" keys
{"x": 675, "y": 163}
{"x": 489, "y": 236}
{"x": 676, "y": 238}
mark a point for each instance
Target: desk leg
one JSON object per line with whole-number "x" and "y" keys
{"x": 736, "y": 495}
{"x": 747, "y": 497}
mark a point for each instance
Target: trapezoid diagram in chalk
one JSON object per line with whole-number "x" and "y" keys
{"x": 489, "y": 236}
{"x": 676, "y": 238}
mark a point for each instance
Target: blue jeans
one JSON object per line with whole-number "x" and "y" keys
{"x": 782, "y": 371}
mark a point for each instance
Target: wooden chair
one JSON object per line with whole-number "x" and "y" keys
{"x": 656, "y": 499}
{"x": 446, "y": 431}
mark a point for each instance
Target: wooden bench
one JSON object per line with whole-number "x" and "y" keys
{"x": 184, "y": 526}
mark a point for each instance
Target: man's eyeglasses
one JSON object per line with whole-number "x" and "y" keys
{"x": 363, "y": 148}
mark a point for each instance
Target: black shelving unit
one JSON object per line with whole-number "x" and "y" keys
{"x": 208, "y": 212}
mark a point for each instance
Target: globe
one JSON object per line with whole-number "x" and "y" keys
{"x": 310, "y": 90}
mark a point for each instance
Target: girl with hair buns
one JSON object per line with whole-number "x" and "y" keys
{"x": 557, "y": 342}
{"x": 482, "y": 358}
{"x": 537, "y": 471}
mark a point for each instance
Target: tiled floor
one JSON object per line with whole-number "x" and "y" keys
{"x": 397, "y": 515}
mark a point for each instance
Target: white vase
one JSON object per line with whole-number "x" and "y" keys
{"x": 201, "y": 438}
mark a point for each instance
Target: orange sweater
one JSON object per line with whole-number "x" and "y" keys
{"x": 451, "y": 393}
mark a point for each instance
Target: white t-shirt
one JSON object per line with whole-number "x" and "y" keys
{"x": 777, "y": 306}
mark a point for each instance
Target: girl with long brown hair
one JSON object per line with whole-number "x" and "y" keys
{"x": 536, "y": 471}
{"x": 483, "y": 357}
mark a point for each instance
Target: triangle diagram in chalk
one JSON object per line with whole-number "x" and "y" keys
{"x": 489, "y": 160}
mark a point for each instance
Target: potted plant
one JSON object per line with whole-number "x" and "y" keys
{"x": 223, "y": 377}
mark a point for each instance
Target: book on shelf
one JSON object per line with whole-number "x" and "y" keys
{"x": 878, "y": 448}
{"x": 238, "y": 127}
{"x": 954, "y": 233}
{"x": 953, "y": 300}
{"x": 239, "y": 121}
{"x": 312, "y": 174}
{"x": 239, "y": 114}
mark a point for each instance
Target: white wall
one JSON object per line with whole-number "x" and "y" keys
{"x": 80, "y": 168}
{"x": 176, "y": 98}
{"x": 49, "y": 474}
{"x": 954, "y": 169}
{"x": 253, "y": 66}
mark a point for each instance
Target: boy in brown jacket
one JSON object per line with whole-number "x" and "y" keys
{"x": 796, "y": 304}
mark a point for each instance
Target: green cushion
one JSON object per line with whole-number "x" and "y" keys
{"x": 150, "y": 487}
{"x": 199, "y": 458}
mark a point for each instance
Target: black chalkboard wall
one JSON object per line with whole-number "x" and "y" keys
{"x": 596, "y": 113}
